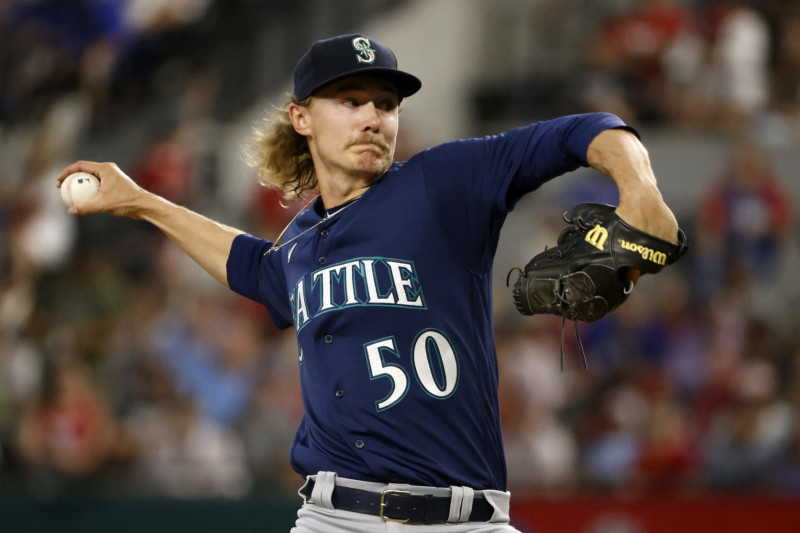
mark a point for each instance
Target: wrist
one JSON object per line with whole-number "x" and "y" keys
{"x": 651, "y": 216}
{"x": 149, "y": 207}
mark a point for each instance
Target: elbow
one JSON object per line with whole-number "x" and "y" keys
{"x": 617, "y": 147}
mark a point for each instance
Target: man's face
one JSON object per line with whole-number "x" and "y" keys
{"x": 351, "y": 126}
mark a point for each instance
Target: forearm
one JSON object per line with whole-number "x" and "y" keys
{"x": 207, "y": 242}
{"x": 620, "y": 155}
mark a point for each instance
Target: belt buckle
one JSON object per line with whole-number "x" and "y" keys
{"x": 383, "y": 505}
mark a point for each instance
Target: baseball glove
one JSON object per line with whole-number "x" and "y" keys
{"x": 585, "y": 276}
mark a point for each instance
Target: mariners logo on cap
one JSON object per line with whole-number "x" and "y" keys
{"x": 365, "y": 53}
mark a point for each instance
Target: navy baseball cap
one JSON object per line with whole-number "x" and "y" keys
{"x": 332, "y": 59}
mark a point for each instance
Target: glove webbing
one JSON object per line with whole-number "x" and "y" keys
{"x": 560, "y": 253}
{"x": 563, "y": 325}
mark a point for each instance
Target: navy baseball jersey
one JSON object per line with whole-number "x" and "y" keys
{"x": 391, "y": 301}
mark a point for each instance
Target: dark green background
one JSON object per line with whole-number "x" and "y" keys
{"x": 146, "y": 516}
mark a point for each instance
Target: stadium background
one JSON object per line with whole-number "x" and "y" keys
{"x": 136, "y": 394}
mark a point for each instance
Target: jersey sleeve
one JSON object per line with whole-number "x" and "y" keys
{"x": 259, "y": 277}
{"x": 501, "y": 168}
{"x": 556, "y": 147}
{"x": 474, "y": 183}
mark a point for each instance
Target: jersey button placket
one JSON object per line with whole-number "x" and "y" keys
{"x": 324, "y": 233}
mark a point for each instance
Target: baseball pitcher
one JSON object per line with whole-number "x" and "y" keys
{"x": 386, "y": 278}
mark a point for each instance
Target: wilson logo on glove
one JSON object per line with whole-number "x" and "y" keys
{"x": 648, "y": 254}
{"x": 597, "y": 236}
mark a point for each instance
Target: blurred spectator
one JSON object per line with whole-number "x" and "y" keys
{"x": 685, "y": 89}
{"x": 697, "y": 65}
{"x": 622, "y": 340}
{"x": 741, "y": 453}
{"x": 541, "y": 451}
{"x": 786, "y": 471}
{"x": 667, "y": 460}
{"x": 676, "y": 336}
{"x": 748, "y": 435}
{"x": 180, "y": 163}
{"x": 164, "y": 40}
{"x": 181, "y": 455}
{"x": 610, "y": 444}
{"x": 68, "y": 433}
{"x": 153, "y": 16}
{"x": 21, "y": 371}
{"x": 211, "y": 357}
{"x": 269, "y": 425}
{"x": 658, "y": 327}
{"x": 166, "y": 168}
{"x": 628, "y": 58}
{"x": 199, "y": 133}
{"x": 742, "y": 220}
{"x": 782, "y": 128}
{"x": 739, "y": 62}
{"x": 47, "y": 42}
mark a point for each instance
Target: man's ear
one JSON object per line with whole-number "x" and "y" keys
{"x": 300, "y": 120}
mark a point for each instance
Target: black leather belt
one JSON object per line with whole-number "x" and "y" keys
{"x": 401, "y": 506}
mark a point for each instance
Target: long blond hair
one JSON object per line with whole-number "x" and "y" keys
{"x": 280, "y": 155}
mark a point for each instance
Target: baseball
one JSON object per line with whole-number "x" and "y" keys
{"x": 78, "y": 187}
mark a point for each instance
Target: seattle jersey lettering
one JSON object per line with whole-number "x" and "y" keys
{"x": 366, "y": 281}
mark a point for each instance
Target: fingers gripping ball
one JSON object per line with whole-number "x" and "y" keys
{"x": 78, "y": 187}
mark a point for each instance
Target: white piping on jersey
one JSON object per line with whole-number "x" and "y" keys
{"x": 327, "y": 217}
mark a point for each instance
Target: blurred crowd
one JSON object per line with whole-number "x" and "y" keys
{"x": 126, "y": 371}
{"x": 700, "y": 64}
